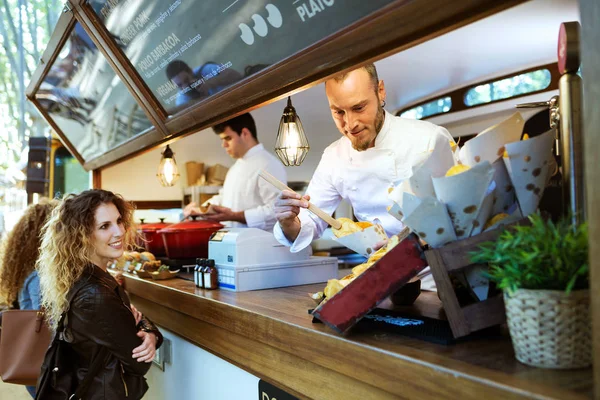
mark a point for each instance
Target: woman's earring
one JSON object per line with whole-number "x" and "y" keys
{"x": 383, "y": 104}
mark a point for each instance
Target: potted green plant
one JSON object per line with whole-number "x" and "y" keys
{"x": 542, "y": 269}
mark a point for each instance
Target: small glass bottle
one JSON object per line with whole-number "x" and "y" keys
{"x": 211, "y": 279}
{"x": 199, "y": 272}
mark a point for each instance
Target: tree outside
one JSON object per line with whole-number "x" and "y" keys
{"x": 25, "y": 28}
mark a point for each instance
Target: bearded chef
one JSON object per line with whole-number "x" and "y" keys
{"x": 376, "y": 149}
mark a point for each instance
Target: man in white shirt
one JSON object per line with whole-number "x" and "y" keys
{"x": 246, "y": 200}
{"x": 376, "y": 150}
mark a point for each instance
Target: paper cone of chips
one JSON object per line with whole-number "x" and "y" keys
{"x": 529, "y": 164}
{"x": 497, "y": 220}
{"x": 362, "y": 242}
{"x": 489, "y": 145}
{"x": 395, "y": 211}
{"x": 396, "y": 195}
{"x": 463, "y": 195}
{"x": 477, "y": 281}
{"x": 504, "y": 195}
{"x": 485, "y": 211}
{"x": 431, "y": 222}
{"x": 405, "y": 206}
{"x": 439, "y": 161}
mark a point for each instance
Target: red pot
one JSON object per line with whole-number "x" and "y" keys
{"x": 153, "y": 241}
{"x": 188, "y": 239}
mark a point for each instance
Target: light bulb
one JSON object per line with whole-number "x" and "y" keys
{"x": 291, "y": 145}
{"x": 168, "y": 173}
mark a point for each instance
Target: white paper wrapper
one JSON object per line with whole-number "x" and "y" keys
{"x": 436, "y": 165}
{"x": 398, "y": 191}
{"x": 396, "y": 212}
{"x": 363, "y": 242}
{"x": 404, "y": 201}
{"x": 489, "y": 145}
{"x": 431, "y": 222}
{"x": 529, "y": 164}
{"x": 485, "y": 211}
{"x": 478, "y": 283}
{"x": 504, "y": 195}
{"x": 513, "y": 217}
{"x": 463, "y": 195}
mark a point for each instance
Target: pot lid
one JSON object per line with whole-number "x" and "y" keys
{"x": 199, "y": 225}
{"x": 152, "y": 226}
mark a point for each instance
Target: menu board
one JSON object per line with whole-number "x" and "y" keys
{"x": 87, "y": 100}
{"x": 187, "y": 51}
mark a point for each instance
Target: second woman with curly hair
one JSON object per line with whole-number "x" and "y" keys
{"x": 84, "y": 234}
{"x": 19, "y": 282}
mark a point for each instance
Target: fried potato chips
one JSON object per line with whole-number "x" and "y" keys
{"x": 349, "y": 227}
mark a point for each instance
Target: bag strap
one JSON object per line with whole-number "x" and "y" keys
{"x": 96, "y": 366}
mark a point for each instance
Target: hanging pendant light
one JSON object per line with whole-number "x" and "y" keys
{"x": 168, "y": 173}
{"x": 291, "y": 145}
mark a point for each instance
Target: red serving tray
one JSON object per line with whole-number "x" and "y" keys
{"x": 370, "y": 288}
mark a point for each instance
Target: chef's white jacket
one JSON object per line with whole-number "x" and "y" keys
{"x": 362, "y": 178}
{"x": 244, "y": 190}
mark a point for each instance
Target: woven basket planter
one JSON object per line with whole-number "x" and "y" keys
{"x": 549, "y": 328}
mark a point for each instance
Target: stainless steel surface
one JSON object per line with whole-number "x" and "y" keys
{"x": 552, "y": 104}
{"x": 569, "y": 87}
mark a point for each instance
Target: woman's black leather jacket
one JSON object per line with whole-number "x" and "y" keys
{"x": 100, "y": 316}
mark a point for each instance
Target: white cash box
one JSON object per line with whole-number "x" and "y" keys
{"x": 251, "y": 259}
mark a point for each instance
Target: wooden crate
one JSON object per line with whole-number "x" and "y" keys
{"x": 456, "y": 257}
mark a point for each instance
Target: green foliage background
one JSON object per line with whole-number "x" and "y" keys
{"x": 25, "y": 28}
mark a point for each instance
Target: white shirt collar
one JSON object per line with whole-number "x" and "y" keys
{"x": 385, "y": 129}
{"x": 252, "y": 151}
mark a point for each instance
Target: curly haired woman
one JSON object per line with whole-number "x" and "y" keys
{"x": 19, "y": 282}
{"x": 18, "y": 278}
{"x": 84, "y": 234}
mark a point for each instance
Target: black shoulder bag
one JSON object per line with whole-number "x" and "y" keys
{"x": 57, "y": 378}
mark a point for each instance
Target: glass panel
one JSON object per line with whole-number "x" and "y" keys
{"x": 188, "y": 50}
{"x": 87, "y": 100}
{"x": 509, "y": 87}
{"x": 434, "y": 107}
{"x": 69, "y": 175}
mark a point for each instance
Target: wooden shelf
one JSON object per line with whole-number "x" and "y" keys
{"x": 269, "y": 334}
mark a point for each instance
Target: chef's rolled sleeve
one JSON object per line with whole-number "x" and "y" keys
{"x": 303, "y": 240}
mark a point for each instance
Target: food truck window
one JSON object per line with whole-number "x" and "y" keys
{"x": 87, "y": 100}
{"x": 69, "y": 176}
{"x": 429, "y": 109}
{"x": 187, "y": 51}
{"x": 529, "y": 82}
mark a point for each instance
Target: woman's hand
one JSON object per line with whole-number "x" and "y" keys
{"x": 136, "y": 314}
{"x": 146, "y": 351}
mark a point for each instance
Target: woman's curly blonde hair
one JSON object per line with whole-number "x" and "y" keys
{"x": 20, "y": 250}
{"x": 67, "y": 248}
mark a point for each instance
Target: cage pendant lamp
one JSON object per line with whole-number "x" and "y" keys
{"x": 168, "y": 173}
{"x": 292, "y": 145}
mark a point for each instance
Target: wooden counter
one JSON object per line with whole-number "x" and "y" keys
{"x": 269, "y": 334}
